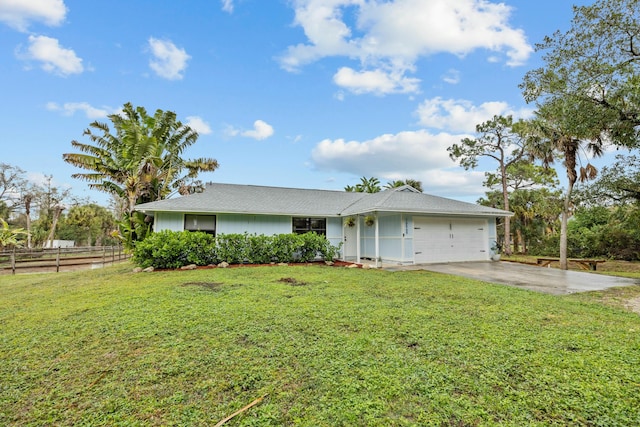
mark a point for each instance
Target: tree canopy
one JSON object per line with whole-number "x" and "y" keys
{"x": 372, "y": 185}
{"x": 594, "y": 66}
{"x": 139, "y": 161}
{"x": 498, "y": 139}
{"x": 366, "y": 185}
{"x": 409, "y": 181}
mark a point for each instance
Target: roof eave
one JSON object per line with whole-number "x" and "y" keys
{"x": 252, "y": 212}
{"x": 431, "y": 212}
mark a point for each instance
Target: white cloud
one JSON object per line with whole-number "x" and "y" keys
{"x": 261, "y": 130}
{"x": 458, "y": 115}
{"x": 377, "y": 82}
{"x": 18, "y": 14}
{"x": 322, "y": 23}
{"x": 199, "y": 125}
{"x": 169, "y": 61}
{"x": 227, "y": 5}
{"x": 388, "y": 37}
{"x": 53, "y": 57}
{"x": 418, "y": 155}
{"x": 69, "y": 109}
{"x": 452, "y": 77}
{"x": 409, "y": 151}
{"x": 231, "y": 131}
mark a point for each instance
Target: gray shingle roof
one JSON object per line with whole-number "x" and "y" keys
{"x": 253, "y": 199}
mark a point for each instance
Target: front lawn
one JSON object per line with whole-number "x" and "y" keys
{"x": 324, "y": 346}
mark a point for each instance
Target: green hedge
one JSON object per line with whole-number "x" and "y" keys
{"x": 174, "y": 249}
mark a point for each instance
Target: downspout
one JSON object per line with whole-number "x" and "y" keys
{"x": 403, "y": 228}
{"x": 377, "y": 239}
{"x": 358, "y": 239}
{"x": 343, "y": 250}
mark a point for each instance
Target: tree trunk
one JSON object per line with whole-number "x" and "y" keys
{"x": 27, "y": 208}
{"x": 507, "y": 219}
{"x": 520, "y": 240}
{"x": 563, "y": 227}
{"x": 56, "y": 214}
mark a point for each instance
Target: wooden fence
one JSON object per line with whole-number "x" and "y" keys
{"x": 59, "y": 259}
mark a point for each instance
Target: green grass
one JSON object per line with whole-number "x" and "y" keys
{"x": 327, "y": 346}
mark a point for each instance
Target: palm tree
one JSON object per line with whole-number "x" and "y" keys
{"x": 28, "y": 198}
{"x": 411, "y": 182}
{"x": 366, "y": 185}
{"x": 141, "y": 161}
{"x": 554, "y": 133}
{"x": 9, "y": 238}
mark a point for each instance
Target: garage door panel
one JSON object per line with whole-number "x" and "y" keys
{"x": 432, "y": 240}
{"x": 448, "y": 240}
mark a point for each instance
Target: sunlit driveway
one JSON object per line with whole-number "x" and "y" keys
{"x": 541, "y": 279}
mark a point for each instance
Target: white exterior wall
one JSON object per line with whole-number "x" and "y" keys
{"x": 395, "y": 238}
{"x": 390, "y": 235}
{"x": 395, "y": 231}
{"x": 253, "y": 224}
{"x": 334, "y": 231}
{"x": 407, "y": 230}
{"x": 493, "y": 233}
{"x": 396, "y": 235}
{"x": 171, "y": 221}
{"x": 59, "y": 244}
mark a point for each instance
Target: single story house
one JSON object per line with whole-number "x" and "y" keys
{"x": 399, "y": 225}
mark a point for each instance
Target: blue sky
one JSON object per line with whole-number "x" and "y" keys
{"x": 295, "y": 93}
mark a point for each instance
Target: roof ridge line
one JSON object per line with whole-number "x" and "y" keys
{"x": 352, "y": 203}
{"x": 375, "y": 206}
{"x": 271, "y": 186}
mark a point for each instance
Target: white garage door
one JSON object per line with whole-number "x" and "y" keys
{"x": 450, "y": 240}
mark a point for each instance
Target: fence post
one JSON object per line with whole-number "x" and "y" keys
{"x": 58, "y": 260}
{"x": 104, "y": 256}
{"x": 113, "y": 255}
{"x": 13, "y": 261}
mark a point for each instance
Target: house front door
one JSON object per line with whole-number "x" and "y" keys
{"x": 350, "y": 246}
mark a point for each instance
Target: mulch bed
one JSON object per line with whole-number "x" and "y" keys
{"x": 293, "y": 264}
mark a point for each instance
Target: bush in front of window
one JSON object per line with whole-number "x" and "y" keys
{"x": 231, "y": 248}
{"x": 174, "y": 249}
{"x": 170, "y": 249}
{"x": 284, "y": 247}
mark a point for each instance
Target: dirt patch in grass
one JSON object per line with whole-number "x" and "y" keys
{"x": 292, "y": 281}
{"x": 634, "y": 304}
{"x": 212, "y": 286}
{"x": 627, "y": 297}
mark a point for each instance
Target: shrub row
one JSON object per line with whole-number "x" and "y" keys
{"x": 174, "y": 249}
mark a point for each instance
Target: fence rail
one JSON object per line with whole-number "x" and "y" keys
{"x": 59, "y": 259}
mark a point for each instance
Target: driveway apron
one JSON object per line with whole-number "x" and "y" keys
{"x": 541, "y": 279}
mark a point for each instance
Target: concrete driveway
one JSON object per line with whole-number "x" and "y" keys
{"x": 541, "y": 279}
